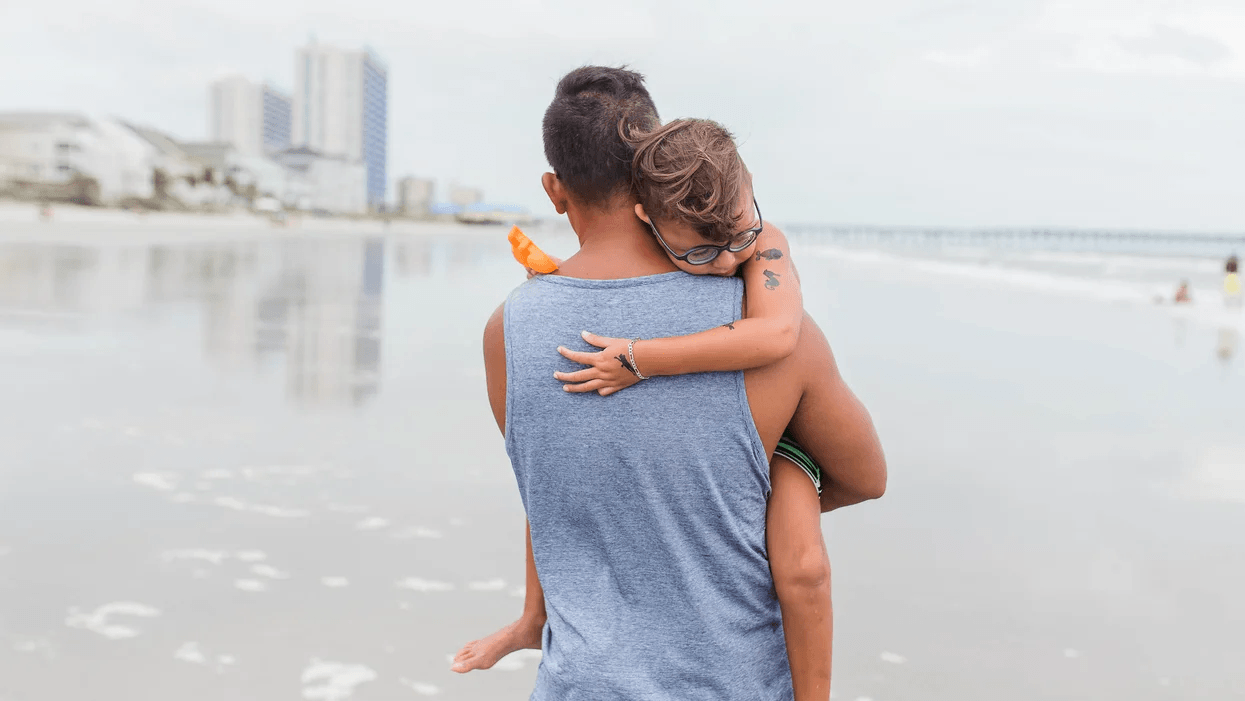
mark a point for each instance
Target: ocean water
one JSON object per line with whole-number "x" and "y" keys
{"x": 240, "y": 463}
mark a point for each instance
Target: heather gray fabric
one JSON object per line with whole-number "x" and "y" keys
{"x": 647, "y": 508}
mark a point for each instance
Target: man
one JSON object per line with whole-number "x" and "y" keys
{"x": 647, "y": 509}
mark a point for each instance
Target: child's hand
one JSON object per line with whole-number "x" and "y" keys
{"x": 608, "y": 371}
{"x": 532, "y": 273}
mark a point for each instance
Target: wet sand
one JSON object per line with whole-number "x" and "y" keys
{"x": 239, "y": 465}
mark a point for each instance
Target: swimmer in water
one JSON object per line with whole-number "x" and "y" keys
{"x": 1182, "y": 293}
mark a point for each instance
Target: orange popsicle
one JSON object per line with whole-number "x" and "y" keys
{"x": 529, "y": 254}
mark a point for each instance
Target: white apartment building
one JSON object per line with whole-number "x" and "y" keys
{"x": 254, "y": 118}
{"x": 52, "y": 149}
{"x": 341, "y": 109}
{"x": 316, "y": 181}
{"x": 268, "y": 177}
{"x": 236, "y": 114}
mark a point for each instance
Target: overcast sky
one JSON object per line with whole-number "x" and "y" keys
{"x": 1118, "y": 113}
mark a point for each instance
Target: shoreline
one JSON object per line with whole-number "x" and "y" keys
{"x": 20, "y": 221}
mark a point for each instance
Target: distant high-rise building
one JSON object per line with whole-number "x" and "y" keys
{"x": 341, "y": 108}
{"x": 278, "y": 119}
{"x": 234, "y": 113}
{"x": 253, "y": 118}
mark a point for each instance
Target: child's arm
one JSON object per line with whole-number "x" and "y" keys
{"x": 768, "y": 333}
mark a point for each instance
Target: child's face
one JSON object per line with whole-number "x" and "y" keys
{"x": 681, "y": 237}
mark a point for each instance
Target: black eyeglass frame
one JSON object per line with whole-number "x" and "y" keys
{"x": 733, "y": 247}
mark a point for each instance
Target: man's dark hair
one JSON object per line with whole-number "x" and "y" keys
{"x": 583, "y": 143}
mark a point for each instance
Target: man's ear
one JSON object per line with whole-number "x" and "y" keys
{"x": 639, "y": 212}
{"x": 556, "y": 191}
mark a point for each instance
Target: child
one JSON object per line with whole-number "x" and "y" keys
{"x": 692, "y": 187}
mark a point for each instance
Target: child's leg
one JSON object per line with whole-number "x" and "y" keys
{"x": 801, "y": 572}
{"x": 521, "y": 634}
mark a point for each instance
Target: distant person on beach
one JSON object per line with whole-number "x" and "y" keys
{"x": 648, "y": 574}
{"x": 1182, "y": 293}
{"x": 1231, "y": 283}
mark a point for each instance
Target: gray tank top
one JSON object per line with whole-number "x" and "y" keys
{"x": 647, "y": 508}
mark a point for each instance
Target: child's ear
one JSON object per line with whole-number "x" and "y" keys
{"x": 555, "y": 190}
{"x": 639, "y": 212}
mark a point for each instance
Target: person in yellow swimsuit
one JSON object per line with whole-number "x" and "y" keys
{"x": 1231, "y": 283}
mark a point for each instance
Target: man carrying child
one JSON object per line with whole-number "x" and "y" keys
{"x": 650, "y": 576}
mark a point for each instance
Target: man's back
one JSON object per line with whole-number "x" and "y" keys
{"x": 647, "y": 508}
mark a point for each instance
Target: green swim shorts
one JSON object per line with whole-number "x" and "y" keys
{"x": 792, "y": 451}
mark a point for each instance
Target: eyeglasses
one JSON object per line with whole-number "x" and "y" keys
{"x": 703, "y": 255}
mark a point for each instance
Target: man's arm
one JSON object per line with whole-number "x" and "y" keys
{"x": 835, "y": 428}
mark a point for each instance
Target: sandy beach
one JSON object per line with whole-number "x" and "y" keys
{"x": 20, "y": 221}
{"x": 245, "y": 462}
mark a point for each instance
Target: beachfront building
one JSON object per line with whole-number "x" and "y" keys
{"x": 243, "y": 176}
{"x": 341, "y": 109}
{"x": 255, "y": 118}
{"x": 465, "y": 196}
{"x": 39, "y": 147}
{"x": 415, "y": 196}
{"x": 71, "y": 156}
{"x": 177, "y": 176}
{"x": 318, "y": 181}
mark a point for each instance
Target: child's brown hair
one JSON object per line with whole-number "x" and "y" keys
{"x": 690, "y": 170}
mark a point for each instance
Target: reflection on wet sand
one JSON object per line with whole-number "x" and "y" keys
{"x": 315, "y": 305}
{"x": 1229, "y": 339}
{"x": 174, "y": 522}
{"x": 320, "y": 308}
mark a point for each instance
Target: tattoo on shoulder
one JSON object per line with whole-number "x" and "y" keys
{"x": 729, "y": 325}
{"x": 622, "y": 358}
{"x": 771, "y": 280}
{"x": 769, "y": 254}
